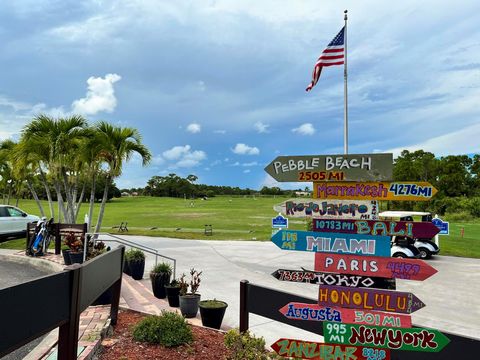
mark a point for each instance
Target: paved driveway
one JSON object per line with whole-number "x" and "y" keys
{"x": 452, "y": 295}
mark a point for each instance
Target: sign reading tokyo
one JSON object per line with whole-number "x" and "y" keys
{"x": 399, "y": 191}
{"x": 353, "y": 167}
{"x": 329, "y": 209}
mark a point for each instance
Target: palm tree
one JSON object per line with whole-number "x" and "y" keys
{"x": 118, "y": 144}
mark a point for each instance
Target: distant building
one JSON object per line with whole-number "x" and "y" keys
{"x": 302, "y": 193}
{"x": 125, "y": 193}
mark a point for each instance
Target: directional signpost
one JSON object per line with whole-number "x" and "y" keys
{"x": 369, "y": 299}
{"x": 291, "y": 348}
{"x": 398, "y": 191}
{"x": 377, "y": 227}
{"x": 332, "y": 242}
{"x": 358, "y": 167}
{"x": 329, "y": 209}
{"x": 398, "y": 268}
{"x": 323, "y": 278}
{"x": 413, "y": 339}
{"x": 313, "y": 312}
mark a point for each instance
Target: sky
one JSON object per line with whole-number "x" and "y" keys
{"x": 217, "y": 88}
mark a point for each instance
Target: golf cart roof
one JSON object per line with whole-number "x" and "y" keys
{"x": 399, "y": 214}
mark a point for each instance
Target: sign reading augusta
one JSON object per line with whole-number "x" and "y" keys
{"x": 353, "y": 167}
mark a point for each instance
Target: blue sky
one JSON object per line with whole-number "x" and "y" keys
{"x": 217, "y": 88}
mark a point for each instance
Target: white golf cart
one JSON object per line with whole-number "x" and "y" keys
{"x": 426, "y": 247}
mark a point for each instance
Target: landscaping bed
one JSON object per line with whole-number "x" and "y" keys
{"x": 207, "y": 343}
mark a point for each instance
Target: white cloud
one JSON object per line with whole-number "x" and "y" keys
{"x": 261, "y": 127}
{"x": 246, "y": 171}
{"x": 243, "y": 149}
{"x": 253, "y": 163}
{"x": 100, "y": 96}
{"x": 194, "y": 128}
{"x": 220, "y": 132}
{"x": 184, "y": 155}
{"x": 305, "y": 129}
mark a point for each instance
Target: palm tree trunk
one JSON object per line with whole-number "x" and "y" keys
{"x": 102, "y": 206}
{"x": 35, "y": 196}
{"x": 47, "y": 191}
{"x": 79, "y": 203}
{"x": 61, "y": 206}
{"x": 92, "y": 201}
{"x": 68, "y": 195}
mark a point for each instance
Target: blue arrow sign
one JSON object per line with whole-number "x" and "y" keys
{"x": 279, "y": 222}
{"x": 442, "y": 225}
{"x": 332, "y": 242}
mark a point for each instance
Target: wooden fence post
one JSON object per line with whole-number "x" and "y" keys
{"x": 243, "y": 306}
{"x": 116, "y": 289}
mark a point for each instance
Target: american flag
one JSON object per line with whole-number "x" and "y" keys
{"x": 333, "y": 54}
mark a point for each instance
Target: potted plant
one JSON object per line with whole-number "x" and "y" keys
{"x": 76, "y": 248}
{"x": 68, "y": 241}
{"x": 96, "y": 250}
{"x": 189, "y": 300}
{"x": 212, "y": 312}
{"x": 66, "y": 255}
{"x": 173, "y": 291}
{"x": 136, "y": 263}
{"x": 160, "y": 276}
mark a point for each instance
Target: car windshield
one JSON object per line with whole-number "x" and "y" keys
{"x": 14, "y": 212}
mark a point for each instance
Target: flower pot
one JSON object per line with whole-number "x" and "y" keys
{"x": 172, "y": 295}
{"x": 126, "y": 267}
{"x": 189, "y": 305}
{"x": 76, "y": 258}
{"x": 66, "y": 256}
{"x": 159, "y": 280}
{"x": 137, "y": 269}
{"x": 212, "y": 316}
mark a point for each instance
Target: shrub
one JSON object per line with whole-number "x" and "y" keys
{"x": 458, "y": 216}
{"x": 169, "y": 329}
{"x": 163, "y": 268}
{"x": 134, "y": 255}
{"x": 474, "y": 205}
{"x": 246, "y": 346}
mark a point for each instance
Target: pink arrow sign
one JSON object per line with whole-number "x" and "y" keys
{"x": 369, "y": 299}
{"x": 314, "y": 312}
{"x": 398, "y": 268}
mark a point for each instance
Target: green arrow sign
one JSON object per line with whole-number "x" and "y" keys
{"x": 413, "y": 339}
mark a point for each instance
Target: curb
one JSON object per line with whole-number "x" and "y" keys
{"x": 42, "y": 264}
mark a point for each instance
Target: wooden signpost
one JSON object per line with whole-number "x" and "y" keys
{"x": 413, "y": 339}
{"x": 329, "y": 209}
{"x": 332, "y": 242}
{"x": 377, "y": 227}
{"x": 300, "y": 349}
{"x": 323, "y": 278}
{"x": 398, "y": 268}
{"x": 369, "y": 299}
{"x": 353, "y": 167}
{"x": 313, "y": 312}
{"x": 398, "y": 191}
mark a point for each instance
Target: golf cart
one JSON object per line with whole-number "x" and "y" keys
{"x": 425, "y": 246}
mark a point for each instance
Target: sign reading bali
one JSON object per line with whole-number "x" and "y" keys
{"x": 300, "y": 349}
{"x": 332, "y": 242}
{"x": 352, "y": 167}
{"x": 400, "y": 191}
{"x": 329, "y": 209}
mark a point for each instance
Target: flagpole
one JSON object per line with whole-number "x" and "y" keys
{"x": 345, "y": 105}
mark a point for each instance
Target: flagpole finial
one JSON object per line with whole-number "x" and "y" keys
{"x": 346, "y": 11}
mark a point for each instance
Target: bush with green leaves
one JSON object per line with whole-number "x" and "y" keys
{"x": 245, "y": 346}
{"x": 169, "y": 329}
{"x": 162, "y": 268}
{"x": 134, "y": 255}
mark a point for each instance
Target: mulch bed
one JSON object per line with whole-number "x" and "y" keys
{"x": 208, "y": 344}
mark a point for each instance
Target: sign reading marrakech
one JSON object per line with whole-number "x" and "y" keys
{"x": 353, "y": 167}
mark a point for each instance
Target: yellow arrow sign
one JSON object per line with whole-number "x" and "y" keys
{"x": 401, "y": 190}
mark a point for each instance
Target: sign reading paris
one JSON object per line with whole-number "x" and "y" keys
{"x": 353, "y": 167}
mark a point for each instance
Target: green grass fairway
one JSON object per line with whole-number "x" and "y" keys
{"x": 232, "y": 218}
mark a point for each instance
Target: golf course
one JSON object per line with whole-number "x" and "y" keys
{"x": 232, "y": 218}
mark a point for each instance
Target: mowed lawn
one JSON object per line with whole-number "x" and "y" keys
{"x": 232, "y": 218}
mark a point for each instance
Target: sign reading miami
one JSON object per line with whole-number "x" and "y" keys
{"x": 352, "y": 167}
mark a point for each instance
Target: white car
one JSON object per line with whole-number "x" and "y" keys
{"x": 13, "y": 221}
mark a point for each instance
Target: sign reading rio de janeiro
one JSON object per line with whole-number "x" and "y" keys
{"x": 300, "y": 349}
{"x": 413, "y": 339}
{"x": 352, "y": 167}
{"x": 376, "y": 227}
{"x": 400, "y": 191}
{"x": 314, "y": 312}
{"x": 332, "y": 242}
{"x": 329, "y": 209}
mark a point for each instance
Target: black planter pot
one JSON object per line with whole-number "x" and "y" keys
{"x": 76, "y": 258}
{"x": 126, "y": 267}
{"x": 212, "y": 316}
{"x": 189, "y": 305}
{"x": 172, "y": 295}
{"x": 159, "y": 280}
{"x": 66, "y": 256}
{"x": 137, "y": 268}
{"x": 104, "y": 299}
